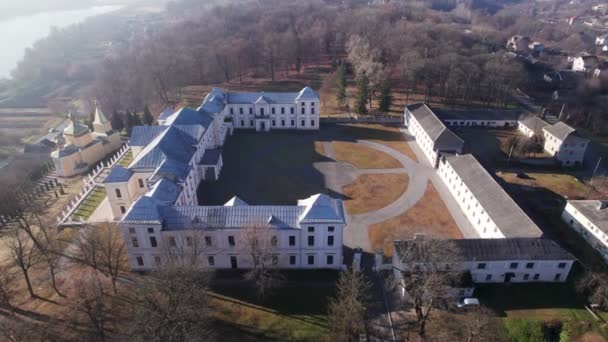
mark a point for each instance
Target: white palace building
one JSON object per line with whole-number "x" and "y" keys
{"x": 154, "y": 198}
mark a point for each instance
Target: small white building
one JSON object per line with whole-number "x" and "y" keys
{"x": 589, "y": 218}
{"x": 430, "y": 133}
{"x": 303, "y": 236}
{"x": 491, "y": 211}
{"x": 531, "y": 125}
{"x": 562, "y": 142}
{"x": 513, "y": 260}
{"x": 601, "y": 40}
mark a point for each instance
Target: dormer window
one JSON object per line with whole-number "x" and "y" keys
{"x": 140, "y": 182}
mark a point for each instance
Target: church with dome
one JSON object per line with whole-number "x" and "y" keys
{"x": 84, "y": 148}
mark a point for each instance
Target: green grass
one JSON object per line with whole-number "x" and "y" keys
{"x": 539, "y": 302}
{"x": 88, "y": 206}
{"x": 295, "y": 312}
{"x": 126, "y": 159}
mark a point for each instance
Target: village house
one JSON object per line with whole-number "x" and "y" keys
{"x": 562, "y": 142}
{"x": 589, "y": 218}
{"x": 430, "y": 133}
{"x": 602, "y": 40}
{"x": 483, "y": 201}
{"x": 155, "y": 196}
{"x": 587, "y": 64}
{"x": 519, "y": 44}
{"x": 530, "y": 125}
{"x": 83, "y": 148}
{"x": 511, "y": 260}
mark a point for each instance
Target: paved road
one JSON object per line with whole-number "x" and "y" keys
{"x": 58, "y": 130}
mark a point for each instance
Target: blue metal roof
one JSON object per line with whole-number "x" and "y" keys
{"x": 173, "y": 143}
{"x": 143, "y": 135}
{"x": 145, "y": 209}
{"x": 189, "y": 116}
{"x": 118, "y": 174}
{"x": 165, "y": 191}
{"x": 307, "y": 94}
{"x": 166, "y": 113}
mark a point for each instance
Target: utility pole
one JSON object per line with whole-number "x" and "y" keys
{"x": 595, "y": 170}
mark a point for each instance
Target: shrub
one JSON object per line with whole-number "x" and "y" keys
{"x": 522, "y": 330}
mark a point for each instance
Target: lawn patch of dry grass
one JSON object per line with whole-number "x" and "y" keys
{"x": 429, "y": 216}
{"x": 563, "y": 184}
{"x": 374, "y": 191}
{"x": 386, "y": 135}
{"x": 320, "y": 148}
{"x": 364, "y": 157}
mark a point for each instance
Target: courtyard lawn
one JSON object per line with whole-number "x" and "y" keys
{"x": 374, "y": 191}
{"x": 388, "y": 135}
{"x": 562, "y": 184}
{"x": 363, "y": 157}
{"x": 88, "y": 206}
{"x": 126, "y": 159}
{"x": 429, "y": 216}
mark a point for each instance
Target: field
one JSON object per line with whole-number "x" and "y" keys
{"x": 19, "y": 126}
{"x": 374, "y": 191}
{"x": 429, "y": 216}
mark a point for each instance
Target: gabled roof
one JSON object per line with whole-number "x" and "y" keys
{"x": 321, "y": 208}
{"x": 143, "y": 135}
{"x": 476, "y": 114}
{"x": 261, "y": 100}
{"x": 510, "y": 249}
{"x": 235, "y": 201}
{"x": 595, "y": 211}
{"x": 165, "y": 191}
{"x": 560, "y": 130}
{"x": 189, "y": 116}
{"x": 118, "y": 174}
{"x": 431, "y": 124}
{"x": 509, "y": 218}
{"x": 144, "y": 210}
{"x": 166, "y": 113}
{"x": 66, "y": 151}
{"x": 170, "y": 144}
{"x": 533, "y": 123}
{"x": 307, "y": 94}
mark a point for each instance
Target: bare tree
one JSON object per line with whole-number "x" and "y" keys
{"x": 258, "y": 241}
{"x": 6, "y": 291}
{"x": 481, "y": 324}
{"x": 102, "y": 248}
{"x": 90, "y": 300}
{"x": 594, "y": 285}
{"x": 427, "y": 274}
{"x": 172, "y": 304}
{"x": 24, "y": 254}
{"x": 346, "y": 312}
{"x": 183, "y": 248}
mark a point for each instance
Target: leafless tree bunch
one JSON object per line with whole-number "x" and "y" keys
{"x": 24, "y": 254}
{"x": 183, "y": 248}
{"x": 347, "y": 312}
{"x": 172, "y": 304}
{"x": 91, "y": 301}
{"x": 427, "y": 274}
{"x": 102, "y": 248}
{"x": 258, "y": 242}
{"x": 594, "y": 285}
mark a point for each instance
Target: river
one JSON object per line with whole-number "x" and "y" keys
{"x": 19, "y": 33}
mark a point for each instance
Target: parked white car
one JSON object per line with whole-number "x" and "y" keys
{"x": 467, "y": 302}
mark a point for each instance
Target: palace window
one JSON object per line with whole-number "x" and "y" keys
{"x": 118, "y": 194}
{"x": 330, "y": 229}
{"x": 241, "y": 110}
{"x": 311, "y": 229}
{"x": 481, "y": 266}
{"x": 211, "y": 260}
{"x": 231, "y": 111}
{"x": 330, "y": 240}
{"x": 292, "y": 240}
{"x": 282, "y": 110}
{"x": 172, "y": 242}
{"x": 312, "y": 123}
{"x": 330, "y": 260}
{"x": 311, "y": 259}
{"x": 123, "y": 209}
{"x": 275, "y": 259}
{"x": 530, "y": 265}
{"x": 140, "y": 261}
{"x": 274, "y": 241}
{"x": 513, "y": 265}
{"x": 250, "y": 110}
{"x": 141, "y": 182}
{"x": 292, "y": 110}
{"x": 150, "y": 230}
{"x": 561, "y": 265}
{"x": 312, "y": 111}
{"x": 134, "y": 242}
{"x": 231, "y": 241}
{"x": 208, "y": 241}
{"x": 303, "y": 110}
{"x": 272, "y": 110}
{"x": 292, "y": 259}
{"x": 311, "y": 241}
{"x": 153, "y": 242}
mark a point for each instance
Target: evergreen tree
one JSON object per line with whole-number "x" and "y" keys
{"x": 362, "y": 94}
{"x": 148, "y": 118}
{"x": 128, "y": 122}
{"x": 136, "y": 119}
{"x": 385, "y": 96}
{"x": 118, "y": 122}
{"x": 341, "y": 85}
